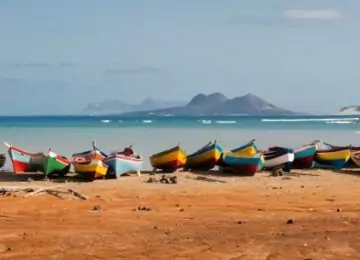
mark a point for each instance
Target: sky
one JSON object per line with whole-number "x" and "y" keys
{"x": 57, "y": 56}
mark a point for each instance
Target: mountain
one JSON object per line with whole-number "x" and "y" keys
{"x": 118, "y": 106}
{"x": 350, "y": 110}
{"x": 219, "y": 104}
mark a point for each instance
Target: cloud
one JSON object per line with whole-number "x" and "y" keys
{"x": 313, "y": 14}
{"x": 136, "y": 71}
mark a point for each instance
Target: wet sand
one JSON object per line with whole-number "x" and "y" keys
{"x": 306, "y": 215}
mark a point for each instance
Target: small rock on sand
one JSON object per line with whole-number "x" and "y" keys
{"x": 290, "y": 221}
{"x": 96, "y": 208}
{"x": 4, "y": 248}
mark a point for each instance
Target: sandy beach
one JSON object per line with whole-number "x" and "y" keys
{"x": 310, "y": 214}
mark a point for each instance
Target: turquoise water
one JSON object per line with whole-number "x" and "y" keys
{"x": 318, "y": 122}
{"x": 67, "y": 135}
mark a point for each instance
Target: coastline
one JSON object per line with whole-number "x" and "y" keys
{"x": 217, "y": 217}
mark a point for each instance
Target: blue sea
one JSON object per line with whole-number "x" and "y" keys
{"x": 152, "y": 134}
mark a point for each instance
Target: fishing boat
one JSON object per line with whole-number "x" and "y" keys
{"x": 22, "y": 160}
{"x": 248, "y": 149}
{"x": 304, "y": 157}
{"x": 169, "y": 160}
{"x": 245, "y": 166}
{"x": 94, "y": 153}
{"x": 335, "y": 158}
{"x": 124, "y": 162}
{"x": 89, "y": 167}
{"x": 320, "y": 145}
{"x": 205, "y": 158}
{"x": 355, "y": 156}
{"x": 90, "y": 164}
{"x": 51, "y": 163}
{"x": 2, "y": 159}
{"x": 278, "y": 157}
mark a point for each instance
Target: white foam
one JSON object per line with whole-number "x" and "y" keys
{"x": 310, "y": 119}
{"x": 226, "y": 122}
{"x": 105, "y": 121}
{"x": 147, "y": 121}
{"x": 205, "y": 121}
{"x": 340, "y": 122}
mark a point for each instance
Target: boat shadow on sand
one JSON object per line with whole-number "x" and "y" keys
{"x": 9, "y": 176}
{"x": 353, "y": 172}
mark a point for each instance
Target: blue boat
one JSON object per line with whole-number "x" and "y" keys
{"x": 246, "y": 166}
{"x": 121, "y": 163}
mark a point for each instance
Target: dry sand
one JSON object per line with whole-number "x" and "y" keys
{"x": 230, "y": 218}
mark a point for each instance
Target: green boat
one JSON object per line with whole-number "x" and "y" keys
{"x": 51, "y": 163}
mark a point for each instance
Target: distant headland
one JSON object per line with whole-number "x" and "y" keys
{"x": 350, "y": 110}
{"x": 212, "y": 104}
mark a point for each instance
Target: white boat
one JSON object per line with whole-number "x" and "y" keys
{"x": 278, "y": 157}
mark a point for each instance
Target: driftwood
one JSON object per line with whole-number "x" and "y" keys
{"x": 34, "y": 191}
{"x": 37, "y": 192}
{"x": 78, "y": 194}
{"x": 4, "y": 189}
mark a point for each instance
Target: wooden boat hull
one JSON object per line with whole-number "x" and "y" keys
{"x": 335, "y": 158}
{"x": 248, "y": 149}
{"x": 304, "y": 158}
{"x": 322, "y": 146}
{"x": 2, "y": 160}
{"x": 281, "y": 157}
{"x": 21, "y": 160}
{"x": 204, "y": 159}
{"x": 120, "y": 164}
{"x": 355, "y": 157}
{"x": 244, "y": 166}
{"x": 51, "y": 163}
{"x": 91, "y": 169}
{"x": 169, "y": 160}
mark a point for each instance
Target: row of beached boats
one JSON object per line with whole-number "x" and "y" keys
{"x": 244, "y": 160}
{"x": 248, "y": 159}
{"x": 91, "y": 164}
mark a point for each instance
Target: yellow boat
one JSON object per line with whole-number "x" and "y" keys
{"x": 169, "y": 160}
{"x": 91, "y": 168}
{"x": 205, "y": 158}
{"x": 334, "y": 158}
{"x": 246, "y": 150}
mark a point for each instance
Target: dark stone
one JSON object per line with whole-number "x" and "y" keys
{"x": 290, "y": 221}
{"x": 96, "y": 208}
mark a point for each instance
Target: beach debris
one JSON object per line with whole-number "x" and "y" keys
{"x": 96, "y": 208}
{"x": 151, "y": 180}
{"x": 144, "y": 208}
{"x": 168, "y": 179}
{"x": 4, "y": 248}
{"x": 290, "y": 221}
{"x": 36, "y": 190}
{"x": 203, "y": 178}
{"x": 181, "y": 210}
{"x": 338, "y": 210}
{"x": 239, "y": 222}
{"x": 163, "y": 179}
{"x": 277, "y": 172}
{"x": 177, "y": 205}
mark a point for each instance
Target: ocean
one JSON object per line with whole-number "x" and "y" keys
{"x": 69, "y": 134}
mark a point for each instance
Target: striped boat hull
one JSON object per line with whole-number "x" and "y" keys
{"x": 121, "y": 164}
